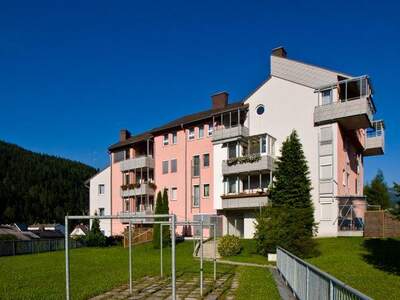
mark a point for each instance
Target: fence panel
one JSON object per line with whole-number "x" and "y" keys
{"x": 16, "y": 247}
{"x": 310, "y": 283}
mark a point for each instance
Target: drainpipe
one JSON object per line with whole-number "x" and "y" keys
{"x": 111, "y": 213}
{"x": 186, "y": 193}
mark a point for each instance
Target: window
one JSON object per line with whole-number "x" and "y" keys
{"x": 260, "y": 109}
{"x": 118, "y": 156}
{"x": 127, "y": 179}
{"x": 196, "y": 165}
{"x": 210, "y": 129}
{"x": 191, "y": 134}
{"x": 231, "y": 150}
{"x": 174, "y": 193}
{"x": 263, "y": 144}
{"x": 206, "y": 190}
{"x": 231, "y": 185}
{"x": 127, "y": 205}
{"x": 165, "y": 139}
{"x": 201, "y": 131}
{"x": 196, "y": 196}
{"x": 127, "y": 153}
{"x": 206, "y": 160}
{"x": 174, "y": 166}
{"x": 175, "y": 138}
{"x": 101, "y": 189}
{"x": 101, "y": 211}
{"x": 326, "y": 97}
{"x": 165, "y": 167}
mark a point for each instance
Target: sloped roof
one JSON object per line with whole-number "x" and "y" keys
{"x": 185, "y": 120}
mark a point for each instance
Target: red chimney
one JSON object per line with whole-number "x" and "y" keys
{"x": 219, "y": 100}
{"x": 124, "y": 134}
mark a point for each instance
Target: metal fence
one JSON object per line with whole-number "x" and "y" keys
{"x": 17, "y": 247}
{"x": 308, "y": 282}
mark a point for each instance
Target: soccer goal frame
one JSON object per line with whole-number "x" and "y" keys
{"x": 135, "y": 220}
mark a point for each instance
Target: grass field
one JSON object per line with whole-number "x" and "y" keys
{"x": 96, "y": 270}
{"x": 372, "y": 265}
{"x": 256, "y": 283}
{"x": 248, "y": 254}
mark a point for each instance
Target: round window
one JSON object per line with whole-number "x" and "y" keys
{"x": 260, "y": 109}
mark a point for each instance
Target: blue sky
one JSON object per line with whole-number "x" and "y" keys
{"x": 73, "y": 73}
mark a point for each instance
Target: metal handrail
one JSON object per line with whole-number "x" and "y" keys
{"x": 332, "y": 280}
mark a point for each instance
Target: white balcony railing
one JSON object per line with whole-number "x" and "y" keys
{"x": 224, "y": 134}
{"x": 137, "y": 163}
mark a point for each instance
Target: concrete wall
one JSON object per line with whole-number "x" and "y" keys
{"x": 101, "y": 201}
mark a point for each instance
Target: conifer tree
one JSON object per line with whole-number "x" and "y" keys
{"x": 156, "y": 227}
{"x": 377, "y": 192}
{"x": 166, "y": 230}
{"x": 289, "y": 220}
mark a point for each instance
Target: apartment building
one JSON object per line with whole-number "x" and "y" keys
{"x": 221, "y": 162}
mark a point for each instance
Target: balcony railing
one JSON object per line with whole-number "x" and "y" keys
{"x": 137, "y": 163}
{"x": 248, "y": 163}
{"x": 226, "y": 134}
{"x": 246, "y": 199}
{"x": 354, "y": 108}
{"x": 375, "y": 139}
{"x": 138, "y": 189}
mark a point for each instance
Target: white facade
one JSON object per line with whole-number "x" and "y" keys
{"x": 289, "y": 98}
{"x": 100, "y": 198}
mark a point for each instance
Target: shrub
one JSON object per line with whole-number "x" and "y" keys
{"x": 95, "y": 240}
{"x": 114, "y": 240}
{"x": 229, "y": 245}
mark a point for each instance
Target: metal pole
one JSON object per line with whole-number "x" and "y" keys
{"x": 173, "y": 256}
{"x": 161, "y": 250}
{"x": 66, "y": 260}
{"x": 215, "y": 253}
{"x": 130, "y": 257}
{"x": 201, "y": 257}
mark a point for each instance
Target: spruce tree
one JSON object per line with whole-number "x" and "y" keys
{"x": 156, "y": 227}
{"x": 377, "y": 192}
{"x": 289, "y": 220}
{"x": 165, "y": 206}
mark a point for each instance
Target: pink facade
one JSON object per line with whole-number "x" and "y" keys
{"x": 116, "y": 201}
{"x": 183, "y": 181}
{"x": 350, "y": 162}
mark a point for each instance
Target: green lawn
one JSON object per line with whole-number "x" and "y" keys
{"x": 256, "y": 283}
{"x": 96, "y": 270}
{"x": 93, "y": 270}
{"x": 248, "y": 254}
{"x": 372, "y": 265}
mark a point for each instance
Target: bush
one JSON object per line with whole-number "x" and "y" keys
{"x": 114, "y": 240}
{"x": 95, "y": 240}
{"x": 229, "y": 245}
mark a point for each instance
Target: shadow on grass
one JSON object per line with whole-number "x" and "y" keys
{"x": 383, "y": 254}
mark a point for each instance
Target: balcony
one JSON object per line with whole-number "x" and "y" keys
{"x": 227, "y": 134}
{"x": 247, "y": 164}
{"x": 138, "y": 189}
{"x": 137, "y": 163}
{"x": 354, "y": 108}
{"x": 144, "y": 212}
{"x": 245, "y": 200}
{"x": 375, "y": 139}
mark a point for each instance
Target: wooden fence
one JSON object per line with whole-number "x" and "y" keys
{"x": 381, "y": 224}
{"x": 139, "y": 236}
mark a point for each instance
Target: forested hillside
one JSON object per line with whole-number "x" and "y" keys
{"x": 40, "y": 188}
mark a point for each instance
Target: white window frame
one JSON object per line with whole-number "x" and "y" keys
{"x": 176, "y": 165}
{"x": 210, "y": 129}
{"x": 165, "y": 139}
{"x": 194, "y": 195}
{"x": 100, "y": 211}
{"x": 204, "y": 190}
{"x": 329, "y": 97}
{"x": 174, "y": 138}
{"x": 174, "y": 193}
{"x": 99, "y": 190}
{"x": 201, "y": 131}
{"x": 165, "y": 163}
{"x": 191, "y": 133}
